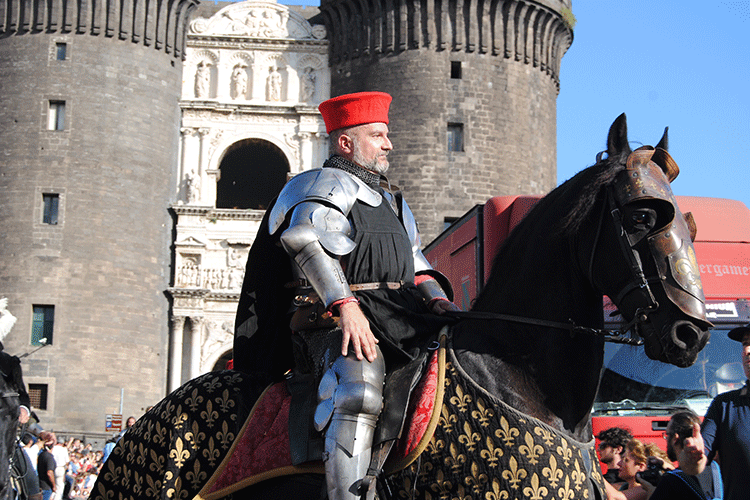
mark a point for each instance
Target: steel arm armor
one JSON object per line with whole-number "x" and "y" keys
{"x": 319, "y": 231}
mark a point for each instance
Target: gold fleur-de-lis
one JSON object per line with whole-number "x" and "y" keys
{"x": 447, "y": 419}
{"x": 546, "y": 435}
{"x": 469, "y": 438}
{"x": 196, "y": 476}
{"x": 565, "y": 492}
{"x": 178, "y": 454}
{"x": 578, "y": 476}
{"x": 194, "y": 400}
{"x": 476, "y": 480}
{"x": 179, "y": 419}
{"x": 154, "y": 487}
{"x": 137, "y": 483}
{"x": 406, "y": 488}
{"x": 513, "y": 474}
{"x": 226, "y": 438}
{"x": 531, "y": 449}
{"x": 424, "y": 470}
{"x": 167, "y": 410}
{"x": 496, "y": 493}
{"x": 535, "y": 492}
{"x": 104, "y": 493}
{"x": 553, "y": 473}
{"x": 209, "y": 415}
{"x": 461, "y": 494}
{"x": 212, "y": 384}
{"x": 111, "y": 472}
{"x": 177, "y": 492}
{"x": 211, "y": 452}
{"x": 232, "y": 377}
{"x": 482, "y": 413}
{"x": 442, "y": 486}
{"x": 225, "y": 402}
{"x": 435, "y": 447}
{"x": 506, "y": 432}
{"x": 195, "y": 437}
{"x": 157, "y": 461}
{"x": 142, "y": 454}
{"x": 491, "y": 454}
{"x": 461, "y": 400}
{"x": 564, "y": 451}
{"x": 455, "y": 459}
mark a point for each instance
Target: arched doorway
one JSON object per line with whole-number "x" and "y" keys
{"x": 253, "y": 172}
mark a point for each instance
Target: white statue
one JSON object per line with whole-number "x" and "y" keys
{"x": 274, "y": 85}
{"x": 192, "y": 186}
{"x": 203, "y": 80}
{"x": 239, "y": 81}
{"x": 308, "y": 85}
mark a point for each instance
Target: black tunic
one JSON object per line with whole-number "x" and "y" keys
{"x": 398, "y": 318}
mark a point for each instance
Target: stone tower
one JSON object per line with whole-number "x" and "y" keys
{"x": 89, "y": 128}
{"x": 474, "y": 87}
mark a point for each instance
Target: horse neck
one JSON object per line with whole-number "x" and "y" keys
{"x": 545, "y": 372}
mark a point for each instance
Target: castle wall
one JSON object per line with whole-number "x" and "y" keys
{"x": 105, "y": 264}
{"x": 504, "y": 99}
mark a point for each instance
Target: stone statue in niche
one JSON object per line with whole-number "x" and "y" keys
{"x": 307, "y": 85}
{"x": 239, "y": 81}
{"x": 203, "y": 80}
{"x": 274, "y": 85}
{"x": 192, "y": 186}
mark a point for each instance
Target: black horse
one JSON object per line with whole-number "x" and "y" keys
{"x": 513, "y": 411}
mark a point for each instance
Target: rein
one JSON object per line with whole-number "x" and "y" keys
{"x": 614, "y": 336}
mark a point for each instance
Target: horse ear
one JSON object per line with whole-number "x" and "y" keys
{"x": 667, "y": 163}
{"x": 664, "y": 141}
{"x": 692, "y": 226}
{"x": 617, "y": 140}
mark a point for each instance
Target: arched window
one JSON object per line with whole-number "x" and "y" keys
{"x": 253, "y": 172}
{"x": 221, "y": 363}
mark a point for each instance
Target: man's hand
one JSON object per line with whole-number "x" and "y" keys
{"x": 693, "y": 457}
{"x": 356, "y": 328}
{"x": 442, "y": 306}
{"x": 23, "y": 415}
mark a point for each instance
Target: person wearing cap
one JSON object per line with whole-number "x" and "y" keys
{"x": 726, "y": 429}
{"x": 341, "y": 247}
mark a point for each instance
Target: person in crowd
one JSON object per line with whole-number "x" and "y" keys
{"x": 684, "y": 445}
{"x": 612, "y": 443}
{"x": 726, "y": 428}
{"x": 62, "y": 457}
{"x": 46, "y": 466}
{"x": 634, "y": 460}
{"x": 339, "y": 242}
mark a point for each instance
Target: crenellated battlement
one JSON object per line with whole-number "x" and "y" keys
{"x": 153, "y": 23}
{"x": 528, "y": 31}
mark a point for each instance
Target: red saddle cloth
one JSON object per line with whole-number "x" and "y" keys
{"x": 261, "y": 450}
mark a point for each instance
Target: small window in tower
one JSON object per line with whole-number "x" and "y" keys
{"x": 61, "y": 51}
{"x": 456, "y": 70}
{"x": 42, "y": 325}
{"x": 38, "y": 396}
{"x": 51, "y": 203}
{"x": 455, "y": 137}
{"x": 56, "y": 115}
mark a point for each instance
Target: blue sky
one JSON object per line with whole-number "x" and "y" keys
{"x": 672, "y": 63}
{"x": 685, "y": 65}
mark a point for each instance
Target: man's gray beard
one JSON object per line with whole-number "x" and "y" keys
{"x": 372, "y": 165}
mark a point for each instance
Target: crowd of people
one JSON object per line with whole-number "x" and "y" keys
{"x": 61, "y": 469}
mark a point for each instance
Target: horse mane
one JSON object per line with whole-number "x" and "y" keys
{"x": 575, "y": 199}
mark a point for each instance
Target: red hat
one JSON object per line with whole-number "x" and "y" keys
{"x": 355, "y": 109}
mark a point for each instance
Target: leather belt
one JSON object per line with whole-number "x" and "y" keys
{"x": 379, "y": 285}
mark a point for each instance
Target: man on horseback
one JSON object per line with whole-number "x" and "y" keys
{"x": 364, "y": 293}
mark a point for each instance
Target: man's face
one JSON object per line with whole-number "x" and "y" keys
{"x": 370, "y": 146}
{"x": 746, "y": 354}
{"x": 629, "y": 467}
{"x": 607, "y": 454}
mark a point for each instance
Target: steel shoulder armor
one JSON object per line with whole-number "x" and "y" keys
{"x": 317, "y": 203}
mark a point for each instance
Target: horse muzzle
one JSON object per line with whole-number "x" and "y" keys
{"x": 678, "y": 344}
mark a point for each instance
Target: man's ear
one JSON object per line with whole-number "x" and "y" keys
{"x": 345, "y": 144}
